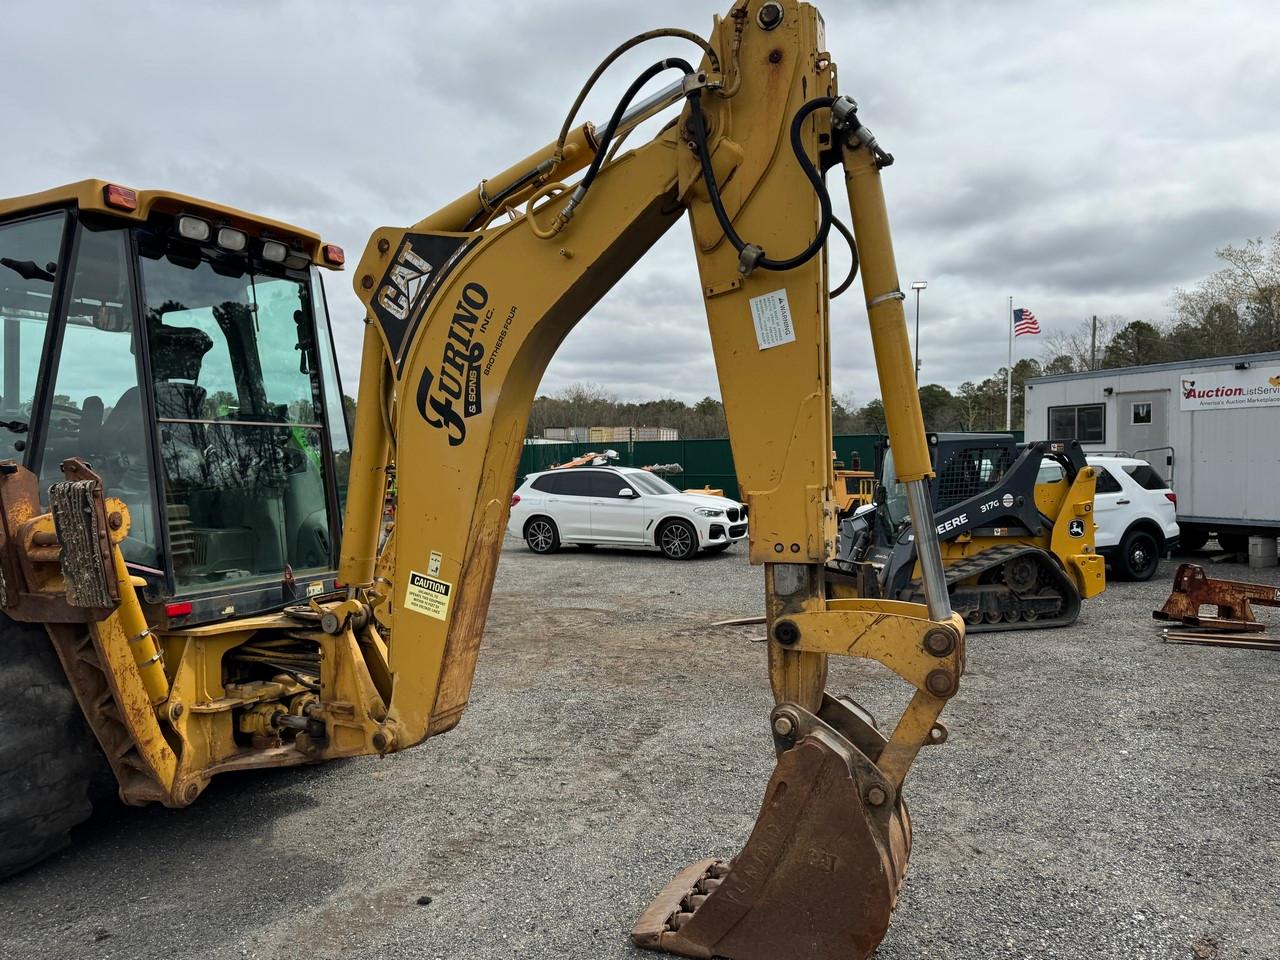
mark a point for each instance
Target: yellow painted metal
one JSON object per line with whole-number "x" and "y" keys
{"x": 1079, "y": 554}
{"x": 880, "y": 285}
{"x": 456, "y": 216}
{"x": 914, "y": 730}
{"x": 89, "y": 195}
{"x": 111, "y": 640}
{"x": 455, "y": 483}
{"x": 367, "y": 484}
{"x": 143, "y": 643}
{"x": 888, "y": 631}
{"x": 853, "y": 488}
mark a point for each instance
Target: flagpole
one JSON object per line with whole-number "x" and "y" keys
{"x": 1008, "y": 390}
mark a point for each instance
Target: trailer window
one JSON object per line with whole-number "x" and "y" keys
{"x": 1084, "y": 422}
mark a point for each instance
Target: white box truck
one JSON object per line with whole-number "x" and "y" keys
{"x": 1211, "y": 427}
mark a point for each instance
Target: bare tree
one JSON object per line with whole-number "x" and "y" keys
{"x": 1076, "y": 343}
{"x": 1235, "y": 309}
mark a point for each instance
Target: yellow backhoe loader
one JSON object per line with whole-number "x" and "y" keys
{"x": 192, "y": 566}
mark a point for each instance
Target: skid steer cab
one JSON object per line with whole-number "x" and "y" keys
{"x": 1018, "y": 553}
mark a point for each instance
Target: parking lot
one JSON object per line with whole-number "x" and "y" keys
{"x": 1102, "y": 795}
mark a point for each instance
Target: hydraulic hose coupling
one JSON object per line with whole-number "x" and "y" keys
{"x": 844, "y": 117}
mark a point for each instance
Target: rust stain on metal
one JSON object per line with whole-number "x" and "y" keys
{"x": 1232, "y": 600}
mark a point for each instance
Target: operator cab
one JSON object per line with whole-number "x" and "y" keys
{"x": 183, "y": 350}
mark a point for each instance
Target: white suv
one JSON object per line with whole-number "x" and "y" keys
{"x": 1134, "y": 511}
{"x": 590, "y": 505}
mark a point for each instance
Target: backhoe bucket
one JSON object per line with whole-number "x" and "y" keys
{"x": 820, "y": 874}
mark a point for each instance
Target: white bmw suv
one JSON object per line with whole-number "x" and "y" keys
{"x": 623, "y": 505}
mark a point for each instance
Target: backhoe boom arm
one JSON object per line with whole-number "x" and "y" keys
{"x": 464, "y": 314}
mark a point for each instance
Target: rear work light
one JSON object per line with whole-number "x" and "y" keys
{"x": 1172, "y": 498}
{"x": 122, "y": 198}
{"x": 515, "y": 498}
{"x": 193, "y": 228}
{"x": 333, "y": 255}
{"x": 229, "y": 238}
{"x": 273, "y": 251}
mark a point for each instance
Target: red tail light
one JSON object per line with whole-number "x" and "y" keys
{"x": 1172, "y": 498}
{"x": 515, "y": 498}
{"x": 122, "y": 198}
{"x": 178, "y": 609}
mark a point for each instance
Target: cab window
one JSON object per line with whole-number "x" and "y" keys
{"x": 29, "y": 254}
{"x": 238, "y": 402}
{"x": 96, "y": 412}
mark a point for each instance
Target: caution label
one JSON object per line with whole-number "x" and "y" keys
{"x": 771, "y": 314}
{"x": 428, "y": 595}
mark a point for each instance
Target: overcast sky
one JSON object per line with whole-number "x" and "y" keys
{"x": 1082, "y": 158}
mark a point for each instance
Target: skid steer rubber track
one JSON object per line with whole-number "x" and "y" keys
{"x": 48, "y": 757}
{"x": 992, "y": 605}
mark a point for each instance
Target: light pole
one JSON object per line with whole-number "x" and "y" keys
{"x": 917, "y": 286}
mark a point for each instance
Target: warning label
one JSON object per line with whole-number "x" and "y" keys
{"x": 428, "y": 595}
{"x": 771, "y": 314}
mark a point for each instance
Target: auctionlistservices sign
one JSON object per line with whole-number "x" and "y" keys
{"x": 1231, "y": 389}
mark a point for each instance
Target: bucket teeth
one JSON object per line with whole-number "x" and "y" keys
{"x": 818, "y": 878}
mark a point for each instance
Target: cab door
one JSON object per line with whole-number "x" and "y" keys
{"x": 31, "y": 270}
{"x": 613, "y": 516}
{"x": 95, "y": 408}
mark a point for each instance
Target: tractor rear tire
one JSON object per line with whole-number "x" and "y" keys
{"x": 48, "y": 756}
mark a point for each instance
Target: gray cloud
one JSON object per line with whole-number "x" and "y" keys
{"x": 1084, "y": 158}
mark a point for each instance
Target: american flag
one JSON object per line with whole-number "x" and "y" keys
{"x": 1024, "y": 321}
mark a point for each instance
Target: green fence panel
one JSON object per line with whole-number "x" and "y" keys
{"x": 706, "y": 463}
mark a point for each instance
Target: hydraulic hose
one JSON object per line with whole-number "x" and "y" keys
{"x": 618, "y": 51}
{"x": 753, "y": 256}
{"x": 580, "y": 191}
{"x": 671, "y": 63}
{"x": 853, "y": 250}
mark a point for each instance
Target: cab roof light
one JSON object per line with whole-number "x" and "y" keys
{"x": 193, "y": 228}
{"x": 229, "y": 238}
{"x": 333, "y": 255}
{"x": 273, "y": 251}
{"x": 122, "y": 198}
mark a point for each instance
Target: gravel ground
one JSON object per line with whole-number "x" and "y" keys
{"x": 1102, "y": 795}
